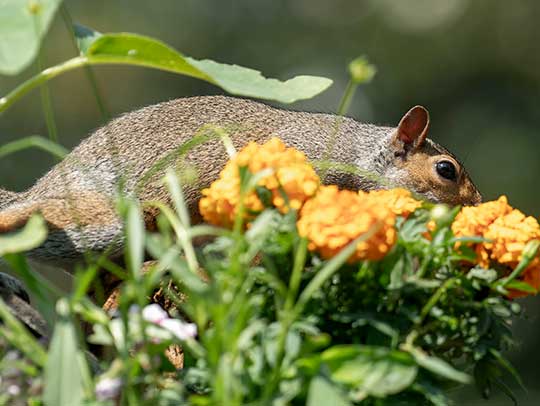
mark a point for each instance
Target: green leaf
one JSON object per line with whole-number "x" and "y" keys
{"x": 23, "y": 24}
{"x": 34, "y": 141}
{"x": 521, "y": 286}
{"x": 144, "y": 51}
{"x": 376, "y": 371}
{"x": 323, "y": 392}
{"x": 32, "y": 235}
{"x": 242, "y": 81}
{"x": 439, "y": 366}
{"x": 63, "y": 375}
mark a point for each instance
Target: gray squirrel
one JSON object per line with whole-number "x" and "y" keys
{"x": 130, "y": 155}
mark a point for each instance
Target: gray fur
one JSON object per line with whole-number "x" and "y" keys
{"x": 116, "y": 157}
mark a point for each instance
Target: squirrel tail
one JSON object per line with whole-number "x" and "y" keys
{"x": 82, "y": 222}
{"x": 60, "y": 213}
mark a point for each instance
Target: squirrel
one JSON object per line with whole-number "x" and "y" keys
{"x": 130, "y": 155}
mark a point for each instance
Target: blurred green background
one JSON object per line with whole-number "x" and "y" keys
{"x": 475, "y": 64}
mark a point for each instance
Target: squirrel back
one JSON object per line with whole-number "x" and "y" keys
{"x": 130, "y": 154}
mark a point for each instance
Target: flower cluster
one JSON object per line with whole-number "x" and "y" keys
{"x": 507, "y": 231}
{"x": 335, "y": 218}
{"x": 331, "y": 218}
{"x": 291, "y": 182}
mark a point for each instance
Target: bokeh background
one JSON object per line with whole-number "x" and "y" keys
{"x": 475, "y": 64}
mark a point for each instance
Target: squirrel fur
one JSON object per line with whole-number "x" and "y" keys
{"x": 77, "y": 196}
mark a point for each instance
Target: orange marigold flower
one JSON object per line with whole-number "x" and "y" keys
{"x": 474, "y": 220}
{"x": 400, "y": 201}
{"x": 334, "y": 218}
{"x": 508, "y": 231}
{"x": 292, "y": 174}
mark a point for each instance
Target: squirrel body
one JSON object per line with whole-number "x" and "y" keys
{"x": 130, "y": 155}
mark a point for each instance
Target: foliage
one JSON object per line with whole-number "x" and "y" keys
{"x": 260, "y": 318}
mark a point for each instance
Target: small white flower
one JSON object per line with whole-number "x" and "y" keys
{"x": 153, "y": 313}
{"x": 181, "y": 330}
{"x": 108, "y": 388}
{"x": 14, "y": 390}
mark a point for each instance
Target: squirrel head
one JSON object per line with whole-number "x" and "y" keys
{"x": 425, "y": 167}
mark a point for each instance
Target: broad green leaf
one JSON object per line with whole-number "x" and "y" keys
{"x": 85, "y": 37}
{"x": 439, "y": 366}
{"x": 144, "y": 51}
{"x": 242, "y": 81}
{"x": 30, "y": 236}
{"x": 323, "y": 392}
{"x": 63, "y": 375}
{"x": 23, "y": 24}
{"x": 376, "y": 371}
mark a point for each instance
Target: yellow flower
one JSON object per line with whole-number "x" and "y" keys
{"x": 334, "y": 218}
{"x": 508, "y": 230}
{"x": 292, "y": 175}
{"x": 400, "y": 201}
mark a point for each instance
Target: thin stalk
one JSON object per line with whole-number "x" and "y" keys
{"x": 347, "y": 97}
{"x": 529, "y": 253}
{"x": 88, "y": 69}
{"x": 38, "y": 80}
{"x": 434, "y": 299}
{"x": 46, "y": 104}
{"x": 344, "y": 105}
{"x": 288, "y": 316}
{"x": 329, "y": 270}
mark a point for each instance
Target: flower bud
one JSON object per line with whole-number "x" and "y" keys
{"x": 361, "y": 70}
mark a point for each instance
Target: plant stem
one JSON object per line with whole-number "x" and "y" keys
{"x": 40, "y": 79}
{"x": 46, "y": 104}
{"x": 434, "y": 299}
{"x": 88, "y": 69}
{"x": 347, "y": 97}
{"x": 288, "y": 317}
{"x": 342, "y": 110}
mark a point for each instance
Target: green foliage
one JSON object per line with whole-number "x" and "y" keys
{"x": 138, "y": 50}
{"x": 278, "y": 325}
{"x": 62, "y": 374}
{"x": 260, "y": 320}
{"x": 23, "y": 24}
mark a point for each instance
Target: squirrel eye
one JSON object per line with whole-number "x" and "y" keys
{"x": 447, "y": 170}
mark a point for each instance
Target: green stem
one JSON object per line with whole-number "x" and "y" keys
{"x": 329, "y": 270}
{"x": 40, "y": 79}
{"x": 344, "y": 104}
{"x": 88, "y": 69}
{"x": 288, "y": 317}
{"x": 46, "y": 104}
{"x": 347, "y": 97}
{"x": 529, "y": 253}
{"x": 434, "y": 299}
{"x": 296, "y": 275}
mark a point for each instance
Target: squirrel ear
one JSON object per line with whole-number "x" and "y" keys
{"x": 413, "y": 128}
